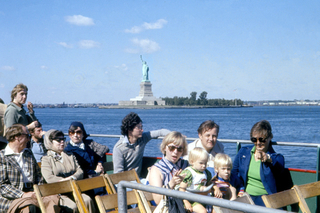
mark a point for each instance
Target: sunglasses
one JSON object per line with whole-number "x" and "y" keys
{"x": 60, "y": 140}
{"x": 172, "y": 148}
{"x": 79, "y": 132}
{"x": 262, "y": 140}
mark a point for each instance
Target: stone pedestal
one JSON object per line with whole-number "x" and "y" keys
{"x": 145, "y": 90}
{"x": 145, "y": 96}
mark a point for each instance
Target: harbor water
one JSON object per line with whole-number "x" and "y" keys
{"x": 289, "y": 124}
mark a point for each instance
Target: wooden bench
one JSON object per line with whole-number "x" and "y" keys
{"x": 280, "y": 199}
{"x": 53, "y": 189}
{"x": 110, "y": 202}
{"x": 113, "y": 179}
{"x": 306, "y": 191}
{"x": 244, "y": 199}
{"x": 87, "y": 184}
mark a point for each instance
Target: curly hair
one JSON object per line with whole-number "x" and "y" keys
{"x": 129, "y": 123}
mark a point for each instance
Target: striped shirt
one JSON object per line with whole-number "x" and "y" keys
{"x": 168, "y": 169}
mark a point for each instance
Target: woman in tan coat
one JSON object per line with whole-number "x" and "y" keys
{"x": 58, "y": 165}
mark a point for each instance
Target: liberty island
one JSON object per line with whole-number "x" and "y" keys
{"x": 145, "y": 95}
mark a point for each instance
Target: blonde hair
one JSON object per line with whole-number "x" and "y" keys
{"x": 222, "y": 160}
{"x": 17, "y": 89}
{"x": 197, "y": 153}
{"x": 177, "y": 139}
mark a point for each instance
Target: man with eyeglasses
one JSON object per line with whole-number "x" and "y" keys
{"x": 128, "y": 151}
{"x": 18, "y": 172}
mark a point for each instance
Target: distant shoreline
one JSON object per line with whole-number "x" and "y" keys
{"x": 115, "y": 106}
{"x": 166, "y": 107}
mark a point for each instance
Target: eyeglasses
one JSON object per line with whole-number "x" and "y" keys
{"x": 262, "y": 140}
{"x": 139, "y": 127}
{"x": 172, "y": 148}
{"x": 27, "y": 135}
{"x": 78, "y": 132}
{"x": 60, "y": 140}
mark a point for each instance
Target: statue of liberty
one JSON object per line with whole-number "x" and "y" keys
{"x": 145, "y": 70}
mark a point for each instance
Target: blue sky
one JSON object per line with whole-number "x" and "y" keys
{"x": 89, "y": 51}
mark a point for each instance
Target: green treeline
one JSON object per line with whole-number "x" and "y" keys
{"x": 202, "y": 100}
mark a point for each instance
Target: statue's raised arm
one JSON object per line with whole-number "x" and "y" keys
{"x": 145, "y": 70}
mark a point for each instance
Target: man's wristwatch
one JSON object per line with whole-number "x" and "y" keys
{"x": 268, "y": 157}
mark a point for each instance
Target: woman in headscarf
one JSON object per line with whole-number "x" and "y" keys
{"x": 59, "y": 165}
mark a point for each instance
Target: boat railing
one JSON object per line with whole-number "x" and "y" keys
{"x": 243, "y": 207}
{"x": 224, "y": 141}
{"x": 299, "y": 176}
{"x": 239, "y": 142}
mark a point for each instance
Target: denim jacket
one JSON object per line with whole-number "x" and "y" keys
{"x": 269, "y": 172}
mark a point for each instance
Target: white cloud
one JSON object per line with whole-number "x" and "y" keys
{"x": 122, "y": 67}
{"x": 87, "y": 44}
{"x": 44, "y": 67}
{"x": 146, "y": 45}
{"x": 8, "y": 68}
{"x": 64, "y": 44}
{"x": 147, "y": 26}
{"x": 157, "y": 25}
{"x": 134, "y": 29}
{"x": 79, "y": 20}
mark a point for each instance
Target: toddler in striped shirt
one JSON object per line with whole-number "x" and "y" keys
{"x": 222, "y": 187}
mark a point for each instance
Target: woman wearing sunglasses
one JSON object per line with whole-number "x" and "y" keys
{"x": 89, "y": 153}
{"x": 58, "y": 166}
{"x": 166, "y": 172}
{"x": 259, "y": 166}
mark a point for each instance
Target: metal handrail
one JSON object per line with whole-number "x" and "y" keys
{"x": 238, "y": 145}
{"x": 122, "y": 198}
{"x": 224, "y": 141}
{"x": 239, "y": 142}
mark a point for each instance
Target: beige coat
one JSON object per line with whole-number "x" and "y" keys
{"x": 53, "y": 170}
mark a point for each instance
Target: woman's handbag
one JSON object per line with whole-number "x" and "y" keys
{"x": 171, "y": 204}
{"x": 163, "y": 206}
